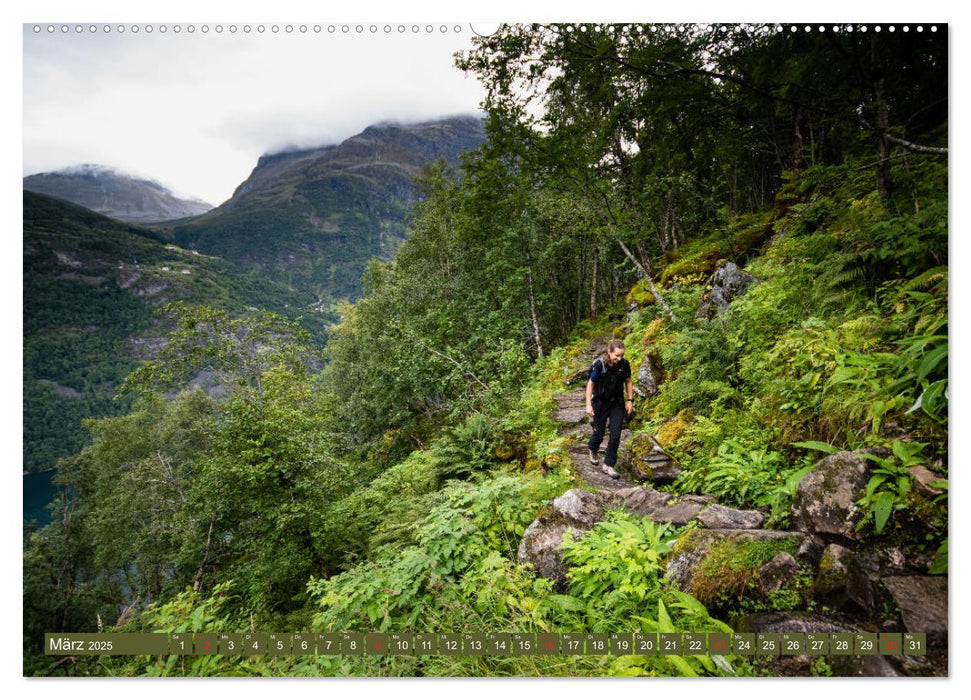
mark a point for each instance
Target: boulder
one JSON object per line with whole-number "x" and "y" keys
{"x": 923, "y": 478}
{"x": 718, "y": 517}
{"x": 923, "y": 605}
{"x": 810, "y": 551}
{"x": 725, "y": 284}
{"x": 649, "y": 376}
{"x": 638, "y": 500}
{"x": 777, "y": 572}
{"x": 842, "y": 582}
{"x": 575, "y": 510}
{"x": 658, "y": 471}
{"x": 649, "y": 462}
{"x": 798, "y": 622}
{"x": 881, "y": 559}
{"x": 678, "y": 513}
{"x": 698, "y": 498}
{"x": 825, "y": 501}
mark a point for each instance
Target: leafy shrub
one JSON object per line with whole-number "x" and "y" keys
{"x": 619, "y": 559}
{"x": 887, "y": 489}
{"x": 467, "y": 448}
{"x": 737, "y": 474}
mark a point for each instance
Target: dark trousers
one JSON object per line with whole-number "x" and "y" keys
{"x": 614, "y": 412}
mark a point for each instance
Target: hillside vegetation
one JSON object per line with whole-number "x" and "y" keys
{"x": 92, "y": 286}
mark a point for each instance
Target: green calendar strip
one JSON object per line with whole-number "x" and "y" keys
{"x": 485, "y": 644}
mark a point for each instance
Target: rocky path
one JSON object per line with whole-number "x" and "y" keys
{"x": 858, "y": 580}
{"x": 571, "y": 413}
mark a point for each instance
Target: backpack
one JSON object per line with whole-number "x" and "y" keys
{"x": 611, "y": 384}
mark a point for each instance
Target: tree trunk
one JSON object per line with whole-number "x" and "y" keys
{"x": 796, "y": 154}
{"x": 644, "y": 273}
{"x": 593, "y": 284}
{"x": 812, "y": 141}
{"x": 532, "y": 313}
{"x": 880, "y": 104}
{"x": 883, "y": 164}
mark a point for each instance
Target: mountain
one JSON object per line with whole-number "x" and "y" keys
{"x": 312, "y": 218}
{"x": 91, "y": 288}
{"x": 112, "y": 193}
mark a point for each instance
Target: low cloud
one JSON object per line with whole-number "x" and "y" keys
{"x": 196, "y": 112}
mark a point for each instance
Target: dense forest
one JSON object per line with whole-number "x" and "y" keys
{"x": 387, "y": 485}
{"x": 92, "y": 289}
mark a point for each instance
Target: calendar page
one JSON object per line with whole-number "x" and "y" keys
{"x": 421, "y": 348}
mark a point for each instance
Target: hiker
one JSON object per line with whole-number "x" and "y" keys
{"x": 610, "y": 397}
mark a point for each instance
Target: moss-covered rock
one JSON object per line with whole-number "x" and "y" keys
{"x": 725, "y": 284}
{"x": 717, "y": 566}
{"x": 653, "y": 331}
{"x": 648, "y": 462}
{"x": 841, "y": 582}
{"x": 532, "y": 465}
{"x": 695, "y": 267}
{"x": 640, "y": 296}
{"x": 671, "y": 431}
{"x": 650, "y": 375}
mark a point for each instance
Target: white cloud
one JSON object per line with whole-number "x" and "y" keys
{"x": 195, "y": 111}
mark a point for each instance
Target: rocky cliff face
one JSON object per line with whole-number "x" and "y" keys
{"x": 114, "y": 194}
{"x": 313, "y": 218}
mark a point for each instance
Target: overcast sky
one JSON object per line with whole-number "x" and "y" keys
{"x": 195, "y": 111}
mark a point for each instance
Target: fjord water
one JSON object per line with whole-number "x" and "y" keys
{"x": 38, "y": 494}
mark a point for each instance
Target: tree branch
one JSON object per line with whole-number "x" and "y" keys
{"x": 916, "y": 147}
{"x": 453, "y": 361}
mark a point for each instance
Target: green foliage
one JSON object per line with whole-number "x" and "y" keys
{"x": 394, "y": 480}
{"x": 135, "y": 479}
{"x": 939, "y": 565}
{"x": 745, "y": 476}
{"x": 921, "y": 365}
{"x": 467, "y": 449}
{"x": 239, "y": 350}
{"x": 816, "y": 445}
{"x": 701, "y": 363}
{"x": 91, "y": 286}
{"x": 474, "y": 523}
{"x": 618, "y": 561}
{"x": 886, "y": 491}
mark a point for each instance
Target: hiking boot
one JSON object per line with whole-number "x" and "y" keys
{"x": 593, "y": 457}
{"x": 610, "y": 471}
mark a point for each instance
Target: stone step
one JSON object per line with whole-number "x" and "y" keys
{"x": 576, "y": 399}
{"x": 580, "y": 431}
{"x": 570, "y": 415}
{"x": 591, "y": 474}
